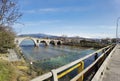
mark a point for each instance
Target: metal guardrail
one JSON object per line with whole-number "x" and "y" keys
{"x": 58, "y": 73}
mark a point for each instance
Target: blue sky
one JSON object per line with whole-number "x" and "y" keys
{"x": 84, "y": 18}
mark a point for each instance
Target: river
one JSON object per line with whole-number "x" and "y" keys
{"x": 51, "y": 57}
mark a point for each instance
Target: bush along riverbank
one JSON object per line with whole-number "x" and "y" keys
{"x": 86, "y": 44}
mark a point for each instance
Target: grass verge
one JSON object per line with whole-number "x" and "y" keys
{"x": 7, "y": 71}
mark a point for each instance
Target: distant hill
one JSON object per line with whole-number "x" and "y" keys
{"x": 39, "y": 35}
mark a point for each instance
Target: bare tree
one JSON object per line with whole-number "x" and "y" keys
{"x": 9, "y": 12}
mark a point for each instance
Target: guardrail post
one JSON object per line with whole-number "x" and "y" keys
{"x": 96, "y": 56}
{"x": 55, "y": 78}
{"x": 80, "y": 69}
{"x": 107, "y": 53}
{"x": 103, "y": 50}
{"x": 104, "y": 56}
{"x": 96, "y": 65}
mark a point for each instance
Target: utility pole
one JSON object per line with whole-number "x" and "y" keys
{"x": 117, "y": 30}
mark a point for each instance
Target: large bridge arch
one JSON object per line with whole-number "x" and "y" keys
{"x": 18, "y": 41}
{"x": 27, "y": 40}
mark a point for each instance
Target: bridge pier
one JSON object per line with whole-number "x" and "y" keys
{"x": 47, "y": 43}
{"x": 55, "y": 43}
{"x": 37, "y": 45}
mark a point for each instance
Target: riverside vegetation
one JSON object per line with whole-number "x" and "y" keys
{"x": 87, "y": 44}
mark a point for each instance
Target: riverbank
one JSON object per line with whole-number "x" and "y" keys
{"x": 25, "y": 66}
{"x": 13, "y": 67}
{"x": 13, "y": 71}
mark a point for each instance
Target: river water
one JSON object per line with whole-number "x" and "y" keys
{"x": 51, "y": 57}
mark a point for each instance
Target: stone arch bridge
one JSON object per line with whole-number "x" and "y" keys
{"x": 37, "y": 41}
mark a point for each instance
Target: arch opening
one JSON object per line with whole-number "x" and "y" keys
{"x": 27, "y": 42}
{"x": 43, "y": 43}
{"x": 59, "y": 43}
{"x": 52, "y": 43}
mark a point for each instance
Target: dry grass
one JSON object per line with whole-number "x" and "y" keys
{"x": 23, "y": 68}
{"x": 7, "y": 71}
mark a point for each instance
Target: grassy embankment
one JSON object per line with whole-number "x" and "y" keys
{"x": 14, "y": 71}
{"x": 7, "y": 71}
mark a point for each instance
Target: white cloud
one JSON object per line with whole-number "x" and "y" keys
{"x": 36, "y": 23}
{"x": 65, "y": 9}
{"x": 106, "y": 27}
{"x": 44, "y": 22}
{"x": 41, "y": 10}
{"x": 99, "y": 35}
{"x": 86, "y": 35}
{"x": 28, "y": 27}
{"x": 48, "y": 10}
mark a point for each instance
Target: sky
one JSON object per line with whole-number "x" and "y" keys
{"x": 83, "y": 18}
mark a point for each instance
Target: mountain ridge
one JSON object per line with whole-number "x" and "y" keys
{"x": 39, "y": 35}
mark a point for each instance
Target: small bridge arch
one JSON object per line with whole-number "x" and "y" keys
{"x": 52, "y": 42}
{"x": 45, "y": 42}
{"x": 59, "y": 42}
